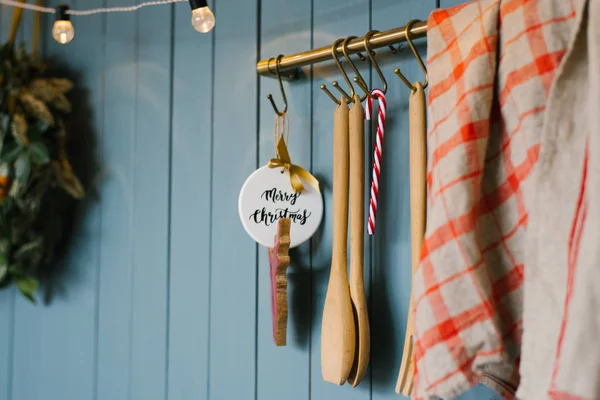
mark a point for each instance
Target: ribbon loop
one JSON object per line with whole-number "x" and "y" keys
{"x": 297, "y": 173}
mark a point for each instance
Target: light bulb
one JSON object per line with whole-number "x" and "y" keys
{"x": 62, "y": 31}
{"x": 203, "y": 20}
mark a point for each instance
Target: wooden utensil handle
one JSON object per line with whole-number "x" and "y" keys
{"x": 357, "y": 194}
{"x": 418, "y": 168}
{"x": 340, "y": 186}
{"x": 357, "y": 243}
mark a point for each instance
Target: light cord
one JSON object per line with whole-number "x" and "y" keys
{"x": 25, "y": 6}
{"x": 48, "y": 10}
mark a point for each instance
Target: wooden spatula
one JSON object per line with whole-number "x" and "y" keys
{"x": 337, "y": 331}
{"x": 357, "y": 243}
{"x": 418, "y": 157}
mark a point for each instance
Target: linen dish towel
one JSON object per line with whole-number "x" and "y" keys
{"x": 561, "y": 320}
{"x": 491, "y": 67}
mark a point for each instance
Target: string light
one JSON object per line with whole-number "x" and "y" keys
{"x": 63, "y": 31}
{"x": 203, "y": 19}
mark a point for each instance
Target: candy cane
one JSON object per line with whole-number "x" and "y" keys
{"x": 377, "y": 154}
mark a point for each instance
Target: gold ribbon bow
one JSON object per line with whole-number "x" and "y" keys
{"x": 296, "y": 172}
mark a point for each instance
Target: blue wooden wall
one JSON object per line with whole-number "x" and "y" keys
{"x": 162, "y": 294}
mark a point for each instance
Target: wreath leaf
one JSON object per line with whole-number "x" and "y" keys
{"x": 61, "y": 84}
{"x": 36, "y": 108}
{"x": 39, "y": 153}
{"x": 43, "y": 90}
{"x": 27, "y": 286}
{"x": 23, "y": 167}
{"x": 19, "y": 128}
{"x": 67, "y": 180}
{"x": 61, "y": 103}
{"x": 3, "y": 267}
{"x": 11, "y": 152}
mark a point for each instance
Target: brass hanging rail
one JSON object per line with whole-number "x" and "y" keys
{"x": 288, "y": 65}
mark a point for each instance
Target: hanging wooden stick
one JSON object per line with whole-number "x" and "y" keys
{"x": 418, "y": 137}
{"x": 279, "y": 260}
{"x": 338, "y": 340}
{"x": 357, "y": 243}
{"x": 16, "y": 21}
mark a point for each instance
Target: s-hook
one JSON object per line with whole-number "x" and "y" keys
{"x": 371, "y": 54}
{"x": 417, "y": 56}
{"x": 359, "y": 79}
{"x": 270, "y": 96}
{"x": 349, "y": 97}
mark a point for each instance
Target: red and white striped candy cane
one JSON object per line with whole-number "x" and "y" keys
{"x": 377, "y": 154}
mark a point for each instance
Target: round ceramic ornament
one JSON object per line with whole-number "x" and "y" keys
{"x": 279, "y": 190}
{"x": 268, "y": 196}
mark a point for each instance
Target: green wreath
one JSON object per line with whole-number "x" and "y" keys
{"x": 35, "y": 173}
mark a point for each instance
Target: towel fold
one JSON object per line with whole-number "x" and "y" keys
{"x": 561, "y": 320}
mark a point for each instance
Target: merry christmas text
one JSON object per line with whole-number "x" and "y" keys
{"x": 263, "y": 216}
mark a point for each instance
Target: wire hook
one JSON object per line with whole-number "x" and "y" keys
{"x": 349, "y": 97}
{"x": 361, "y": 82}
{"x": 358, "y": 79}
{"x": 371, "y": 54}
{"x": 417, "y": 56}
{"x": 270, "y": 96}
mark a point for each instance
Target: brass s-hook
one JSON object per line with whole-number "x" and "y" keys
{"x": 349, "y": 97}
{"x": 358, "y": 79}
{"x": 371, "y": 54}
{"x": 417, "y": 56}
{"x": 270, "y": 96}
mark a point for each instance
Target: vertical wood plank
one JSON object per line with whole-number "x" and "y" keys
{"x": 7, "y": 304}
{"x": 233, "y": 253}
{"x": 23, "y": 310}
{"x": 332, "y": 20}
{"x": 5, "y": 16}
{"x": 54, "y": 345}
{"x": 391, "y": 268}
{"x": 7, "y": 295}
{"x": 285, "y": 28}
{"x": 26, "y": 321}
{"x": 117, "y": 201}
{"x": 25, "y": 31}
{"x": 151, "y": 170}
{"x": 87, "y": 128}
{"x": 190, "y": 209}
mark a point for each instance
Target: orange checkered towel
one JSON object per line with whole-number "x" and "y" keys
{"x": 506, "y": 293}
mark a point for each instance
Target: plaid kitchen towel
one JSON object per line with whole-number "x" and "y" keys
{"x": 561, "y": 320}
{"x": 491, "y": 64}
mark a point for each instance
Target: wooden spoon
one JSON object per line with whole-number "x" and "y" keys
{"x": 357, "y": 243}
{"x": 337, "y": 331}
{"x": 418, "y": 157}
